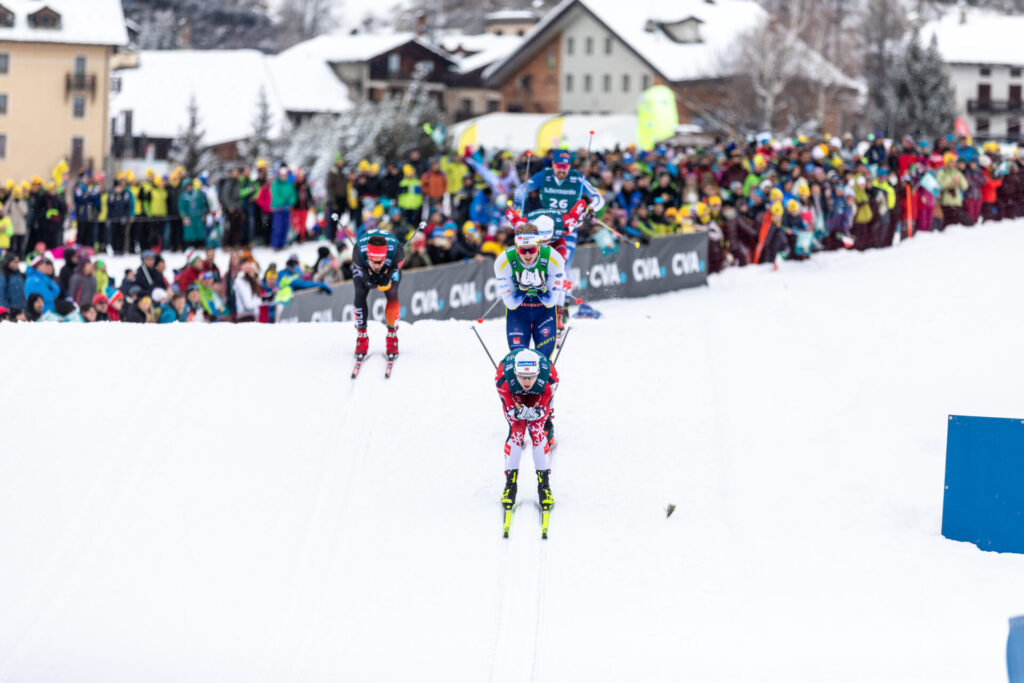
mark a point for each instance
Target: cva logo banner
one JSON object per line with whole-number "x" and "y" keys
{"x": 605, "y": 275}
{"x": 322, "y": 316}
{"x": 647, "y": 269}
{"x": 491, "y": 289}
{"x": 426, "y": 302}
{"x": 463, "y": 294}
{"x": 686, "y": 263}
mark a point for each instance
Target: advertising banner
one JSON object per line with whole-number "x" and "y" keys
{"x": 463, "y": 291}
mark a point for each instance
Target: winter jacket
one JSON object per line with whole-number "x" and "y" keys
{"x": 389, "y": 186}
{"x": 44, "y": 285}
{"x": 227, "y": 190}
{"x": 410, "y": 197}
{"x": 120, "y": 205}
{"x": 337, "y": 187}
{"x": 149, "y": 279}
{"x": 6, "y": 232}
{"x": 158, "y": 202}
{"x": 131, "y": 313}
{"x": 247, "y": 302}
{"x": 282, "y": 195}
{"x": 193, "y": 207}
{"x": 989, "y": 188}
{"x": 454, "y": 171}
{"x": 169, "y": 315}
{"x": 434, "y": 185}
{"x": 12, "y": 285}
{"x": 17, "y": 209}
{"x": 82, "y": 287}
{"x": 953, "y": 184}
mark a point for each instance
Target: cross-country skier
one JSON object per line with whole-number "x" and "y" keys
{"x": 526, "y": 383}
{"x": 567, "y": 196}
{"x": 376, "y": 262}
{"x": 530, "y": 277}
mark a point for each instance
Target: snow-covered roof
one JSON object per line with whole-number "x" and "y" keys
{"x": 984, "y": 38}
{"x": 361, "y": 47}
{"x": 226, "y": 85}
{"x": 487, "y": 48}
{"x": 636, "y": 23}
{"x": 82, "y": 22}
{"x": 511, "y": 15}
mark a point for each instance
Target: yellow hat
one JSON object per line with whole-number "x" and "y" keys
{"x": 363, "y": 166}
{"x": 802, "y": 139}
{"x": 9, "y": 184}
{"x": 51, "y": 186}
{"x": 759, "y": 162}
{"x": 375, "y": 168}
{"x": 467, "y": 226}
{"x": 196, "y": 183}
{"x": 948, "y": 157}
{"x": 25, "y": 187}
{"x": 378, "y": 211}
{"x": 775, "y": 195}
{"x": 408, "y": 170}
{"x": 120, "y": 175}
{"x": 777, "y": 209}
{"x": 804, "y": 190}
{"x": 701, "y": 209}
{"x": 792, "y": 206}
{"x": 149, "y": 173}
{"x": 130, "y": 176}
{"x": 261, "y": 163}
{"x": 36, "y": 180}
{"x": 714, "y": 201}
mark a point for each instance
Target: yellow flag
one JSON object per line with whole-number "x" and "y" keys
{"x": 58, "y": 172}
{"x": 657, "y": 116}
{"x": 550, "y": 135}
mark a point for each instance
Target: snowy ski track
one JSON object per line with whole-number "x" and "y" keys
{"x": 216, "y": 503}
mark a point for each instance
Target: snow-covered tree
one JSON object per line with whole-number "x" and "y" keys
{"x": 921, "y": 91}
{"x": 883, "y": 26}
{"x": 261, "y": 143}
{"x": 379, "y": 131}
{"x": 188, "y": 149}
{"x": 299, "y": 20}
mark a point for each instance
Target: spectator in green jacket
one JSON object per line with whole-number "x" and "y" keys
{"x": 193, "y": 208}
{"x": 282, "y": 198}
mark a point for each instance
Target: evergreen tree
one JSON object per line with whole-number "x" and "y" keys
{"x": 188, "y": 149}
{"x": 261, "y": 144}
{"x": 922, "y": 97}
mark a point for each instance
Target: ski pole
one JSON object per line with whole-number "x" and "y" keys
{"x": 617, "y": 234}
{"x": 529, "y": 156}
{"x": 485, "y": 347}
{"x": 418, "y": 230}
{"x": 560, "y": 348}
{"x": 481, "y": 318}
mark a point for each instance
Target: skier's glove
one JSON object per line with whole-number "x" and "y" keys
{"x": 529, "y": 414}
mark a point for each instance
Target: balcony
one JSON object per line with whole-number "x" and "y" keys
{"x": 995, "y": 106}
{"x": 80, "y": 83}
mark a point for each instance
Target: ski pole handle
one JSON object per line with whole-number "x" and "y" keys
{"x": 485, "y": 348}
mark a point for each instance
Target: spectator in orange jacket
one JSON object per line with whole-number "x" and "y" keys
{"x": 435, "y": 184}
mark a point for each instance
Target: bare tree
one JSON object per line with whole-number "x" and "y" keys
{"x": 883, "y": 26}
{"x": 300, "y": 20}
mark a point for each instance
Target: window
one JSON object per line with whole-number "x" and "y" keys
{"x": 625, "y": 82}
{"x": 570, "y": 45}
{"x": 5, "y": 62}
{"x": 568, "y": 82}
{"x": 1015, "y": 72}
{"x": 77, "y": 153}
{"x": 586, "y": 83}
{"x": 646, "y": 81}
{"x": 115, "y": 84}
{"x": 588, "y": 46}
{"x": 608, "y": 45}
{"x": 3, "y": 145}
{"x": 1015, "y": 95}
{"x": 493, "y": 106}
{"x": 981, "y": 126}
{"x": 394, "y": 63}
{"x": 1012, "y": 127}
{"x": 986, "y": 71}
{"x": 6, "y": 17}
{"x": 526, "y": 82}
{"x": 607, "y": 82}
{"x": 79, "y": 66}
{"x": 466, "y": 105}
{"x": 3, "y": 103}
{"x": 44, "y": 18}
{"x": 78, "y": 107}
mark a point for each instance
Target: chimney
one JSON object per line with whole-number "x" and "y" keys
{"x": 421, "y": 24}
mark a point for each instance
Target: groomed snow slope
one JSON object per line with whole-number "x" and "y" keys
{"x": 221, "y": 503}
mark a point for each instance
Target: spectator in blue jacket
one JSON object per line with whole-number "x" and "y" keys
{"x": 174, "y": 311}
{"x": 39, "y": 280}
{"x": 481, "y": 211}
{"x": 12, "y": 282}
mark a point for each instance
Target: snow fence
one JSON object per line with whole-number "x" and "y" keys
{"x": 464, "y": 291}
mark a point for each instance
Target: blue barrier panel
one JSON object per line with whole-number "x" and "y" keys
{"x": 984, "y": 496}
{"x": 1015, "y": 651}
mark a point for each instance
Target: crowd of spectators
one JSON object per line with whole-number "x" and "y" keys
{"x": 758, "y": 200}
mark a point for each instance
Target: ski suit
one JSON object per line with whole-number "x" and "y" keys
{"x": 530, "y": 294}
{"x": 556, "y": 198}
{"x": 513, "y": 397}
{"x": 386, "y": 279}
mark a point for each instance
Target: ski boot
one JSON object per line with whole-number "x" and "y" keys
{"x": 508, "y": 496}
{"x": 362, "y": 344}
{"x": 544, "y": 490}
{"x": 392, "y": 343}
